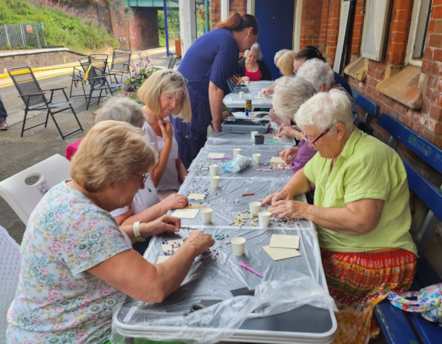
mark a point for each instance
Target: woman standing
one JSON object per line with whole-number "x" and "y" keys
{"x": 208, "y": 64}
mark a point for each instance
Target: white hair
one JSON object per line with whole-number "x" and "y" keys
{"x": 317, "y": 72}
{"x": 256, "y": 48}
{"x": 290, "y": 93}
{"x": 324, "y": 110}
{"x": 279, "y": 54}
{"x": 121, "y": 109}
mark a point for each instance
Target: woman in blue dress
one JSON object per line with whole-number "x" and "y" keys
{"x": 210, "y": 65}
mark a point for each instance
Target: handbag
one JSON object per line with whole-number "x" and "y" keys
{"x": 428, "y": 302}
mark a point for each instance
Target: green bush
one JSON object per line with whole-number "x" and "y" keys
{"x": 62, "y": 25}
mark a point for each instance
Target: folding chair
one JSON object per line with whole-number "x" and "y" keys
{"x": 35, "y": 100}
{"x": 98, "y": 82}
{"x": 172, "y": 61}
{"x": 23, "y": 198}
{"x": 77, "y": 76}
{"x": 120, "y": 63}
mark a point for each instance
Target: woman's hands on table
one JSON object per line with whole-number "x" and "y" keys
{"x": 288, "y": 131}
{"x": 200, "y": 241}
{"x": 284, "y": 194}
{"x": 175, "y": 201}
{"x": 269, "y": 90}
{"x": 164, "y": 224}
{"x": 293, "y": 209}
{"x": 289, "y": 154}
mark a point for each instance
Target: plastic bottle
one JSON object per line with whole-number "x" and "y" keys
{"x": 248, "y": 104}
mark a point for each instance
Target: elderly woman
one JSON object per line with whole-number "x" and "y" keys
{"x": 165, "y": 96}
{"x": 360, "y": 209}
{"x": 252, "y": 67}
{"x": 146, "y": 206}
{"x": 77, "y": 264}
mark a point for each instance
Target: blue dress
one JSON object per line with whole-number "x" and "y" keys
{"x": 212, "y": 57}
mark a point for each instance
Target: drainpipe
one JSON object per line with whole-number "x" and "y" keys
{"x": 166, "y": 29}
{"x": 206, "y": 14}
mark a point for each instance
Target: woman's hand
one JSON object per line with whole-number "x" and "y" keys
{"x": 166, "y": 130}
{"x": 244, "y": 78}
{"x": 293, "y": 209}
{"x": 200, "y": 241}
{"x": 274, "y": 117}
{"x": 279, "y": 195}
{"x": 289, "y": 154}
{"x": 175, "y": 201}
{"x": 269, "y": 90}
{"x": 164, "y": 224}
{"x": 287, "y": 131}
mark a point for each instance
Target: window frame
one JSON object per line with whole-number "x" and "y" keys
{"x": 382, "y": 46}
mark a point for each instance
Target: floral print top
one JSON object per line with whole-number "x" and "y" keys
{"x": 57, "y": 300}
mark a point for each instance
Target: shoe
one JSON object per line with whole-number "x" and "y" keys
{"x": 3, "y": 125}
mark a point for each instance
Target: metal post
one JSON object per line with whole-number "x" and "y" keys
{"x": 23, "y": 38}
{"x": 166, "y": 29}
{"x": 7, "y": 36}
{"x": 44, "y": 37}
{"x": 38, "y": 38}
{"x": 206, "y": 15}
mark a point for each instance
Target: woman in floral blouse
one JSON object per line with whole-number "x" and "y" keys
{"x": 77, "y": 264}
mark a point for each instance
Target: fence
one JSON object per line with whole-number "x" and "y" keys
{"x": 22, "y": 35}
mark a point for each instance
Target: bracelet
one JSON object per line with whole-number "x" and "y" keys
{"x": 136, "y": 229}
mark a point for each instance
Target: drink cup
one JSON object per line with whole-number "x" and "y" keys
{"x": 236, "y": 151}
{"x": 264, "y": 219}
{"x": 206, "y": 215}
{"x": 214, "y": 181}
{"x": 241, "y": 94}
{"x": 259, "y": 93}
{"x": 253, "y": 133}
{"x": 246, "y": 83}
{"x": 238, "y": 245}
{"x": 213, "y": 170}
{"x": 255, "y": 207}
{"x": 256, "y": 158}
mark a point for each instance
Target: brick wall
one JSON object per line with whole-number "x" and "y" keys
{"x": 333, "y": 30}
{"x": 324, "y": 26}
{"x": 120, "y": 24}
{"x": 398, "y": 33}
{"x": 239, "y": 6}
{"x": 143, "y": 28}
{"x": 311, "y": 28}
{"x": 358, "y": 26}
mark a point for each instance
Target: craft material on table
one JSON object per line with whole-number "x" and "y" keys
{"x": 284, "y": 241}
{"x": 216, "y": 155}
{"x": 162, "y": 259}
{"x": 248, "y": 194}
{"x": 281, "y": 253}
{"x": 197, "y": 196}
{"x": 245, "y": 266}
{"x": 276, "y": 159}
{"x": 281, "y": 166}
{"x": 185, "y": 213}
{"x": 169, "y": 247}
{"x": 195, "y": 206}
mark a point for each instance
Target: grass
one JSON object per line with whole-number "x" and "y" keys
{"x": 63, "y": 25}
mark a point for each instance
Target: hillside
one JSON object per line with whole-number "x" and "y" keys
{"x": 62, "y": 25}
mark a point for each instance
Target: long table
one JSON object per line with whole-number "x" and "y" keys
{"x": 232, "y": 100}
{"x": 213, "y": 279}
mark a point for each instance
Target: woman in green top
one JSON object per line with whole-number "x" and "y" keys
{"x": 361, "y": 212}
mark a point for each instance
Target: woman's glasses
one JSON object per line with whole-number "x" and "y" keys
{"x": 175, "y": 76}
{"x": 317, "y": 138}
{"x": 143, "y": 179}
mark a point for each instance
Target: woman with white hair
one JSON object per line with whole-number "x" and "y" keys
{"x": 361, "y": 212}
{"x": 252, "y": 67}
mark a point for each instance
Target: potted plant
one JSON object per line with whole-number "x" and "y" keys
{"x": 139, "y": 73}
{"x": 202, "y": 13}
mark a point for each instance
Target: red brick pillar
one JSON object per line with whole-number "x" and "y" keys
{"x": 215, "y": 12}
{"x": 358, "y": 25}
{"x": 119, "y": 22}
{"x": 239, "y": 6}
{"x": 333, "y": 30}
{"x": 324, "y": 25}
{"x": 311, "y": 23}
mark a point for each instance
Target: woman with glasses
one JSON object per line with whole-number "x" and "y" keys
{"x": 211, "y": 66}
{"x": 361, "y": 211}
{"x": 146, "y": 205}
{"x": 77, "y": 263}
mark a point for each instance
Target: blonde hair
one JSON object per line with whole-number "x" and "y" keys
{"x": 278, "y": 55}
{"x": 324, "y": 110}
{"x": 166, "y": 81}
{"x": 285, "y": 63}
{"x": 122, "y": 110}
{"x": 110, "y": 154}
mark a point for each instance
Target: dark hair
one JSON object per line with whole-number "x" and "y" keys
{"x": 308, "y": 53}
{"x": 237, "y": 22}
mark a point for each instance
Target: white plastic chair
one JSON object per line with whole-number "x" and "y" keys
{"x": 23, "y": 198}
{"x": 9, "y": 271}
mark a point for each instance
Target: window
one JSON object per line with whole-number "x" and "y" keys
{"x": 375, "y": 27}
{"x": 418, "y": 31}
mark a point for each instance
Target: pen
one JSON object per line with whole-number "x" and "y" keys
{"x": 227, "y": 157}
{"x": 248, "y": 194}
{"x": 195, "y": 206}
{"x": 245, "y": 266}
{"x": 187, "y": 227}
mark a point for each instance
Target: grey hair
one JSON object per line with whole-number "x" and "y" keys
{"x": 290, "y": 93}
{"x": 317, "y": 72}
{"x": 256, "y": 48}
{"x": 122, "y": 110}
{"x": 324, "y": 110}
{"x": 279, "y": 54}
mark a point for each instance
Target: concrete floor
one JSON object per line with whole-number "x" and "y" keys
{"x": 18, "y": 153}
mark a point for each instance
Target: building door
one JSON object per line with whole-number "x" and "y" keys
{"x": 275, "y": 20}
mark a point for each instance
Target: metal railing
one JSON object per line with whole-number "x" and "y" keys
{"x": 22, "y": 35}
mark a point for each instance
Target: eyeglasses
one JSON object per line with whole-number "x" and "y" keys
{"x": 175, "y": 76}
{"x": 295, "y": 71}
{"x": 317, "y": 138}
{"x": 143, "y": 179}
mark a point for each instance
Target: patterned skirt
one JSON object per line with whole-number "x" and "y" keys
{"x": 359, "y": 281}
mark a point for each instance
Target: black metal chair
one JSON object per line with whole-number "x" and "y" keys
{"x": 120, "y": 63}
{"x": 35, "y": 100}
{"x": 172, "y": 61}
{"x": 97, "y": 78}
{"x": 77, "y": 76}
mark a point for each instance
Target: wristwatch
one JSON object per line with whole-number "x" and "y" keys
{"x": 136, "y": 229}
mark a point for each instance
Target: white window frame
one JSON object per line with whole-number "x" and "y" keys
{"x": 297, "y": 25}
{"x": 420, "y": 7}
{"x": 379, "y": 55}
